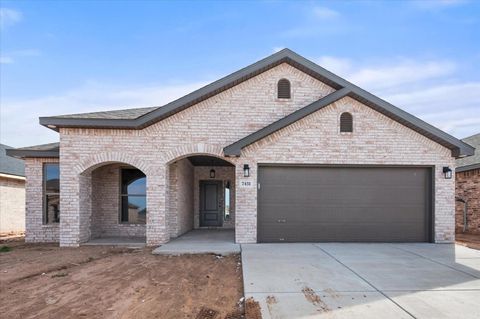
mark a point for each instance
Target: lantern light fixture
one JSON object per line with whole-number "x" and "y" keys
{"x": 447, "y": 172}
{"x": 212, "y": 173}
{"x": 246, "y": 170}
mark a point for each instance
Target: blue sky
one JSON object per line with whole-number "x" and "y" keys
{"x": 81, "y": 56}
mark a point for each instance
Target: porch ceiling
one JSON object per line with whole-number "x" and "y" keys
{"x": 201, "y": 160}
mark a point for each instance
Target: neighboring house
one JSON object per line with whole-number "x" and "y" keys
{"x": 467, "y": 188}
{"x": 12, "y": 193}
{"x": 281, "y": 151}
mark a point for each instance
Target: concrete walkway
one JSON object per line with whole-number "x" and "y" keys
{"x": 363, "y": 280}
{"x": 134, "y": 242}
{"x": 201, "y": 241}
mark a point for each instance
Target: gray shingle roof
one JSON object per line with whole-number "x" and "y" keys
{"x": 10, "y": 165}
{"x": 127, "y": 114}
{"x": 284, "y": 56}
{"x": 474, "y": 141}
{"x": 43, "y": 150}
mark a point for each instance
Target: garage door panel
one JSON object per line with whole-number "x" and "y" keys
{"x": 344, "y": 214}
{"x": 343, "y": 204}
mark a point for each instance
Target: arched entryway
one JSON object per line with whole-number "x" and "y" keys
{"x": 201, "y": 194}
{"x": 114, "y": 211}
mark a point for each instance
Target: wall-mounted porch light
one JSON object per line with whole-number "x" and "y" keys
{"x": 246, "y": 170}
{"x": 212, "y": 173}
{"x": 447, "y": 171}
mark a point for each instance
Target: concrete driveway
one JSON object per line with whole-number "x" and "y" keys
{"x": 363, "y": 280}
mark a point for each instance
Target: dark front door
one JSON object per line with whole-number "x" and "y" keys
{"x": 210, "y": 203}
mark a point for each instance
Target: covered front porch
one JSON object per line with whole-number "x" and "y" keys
{"x": 199, "y": 194}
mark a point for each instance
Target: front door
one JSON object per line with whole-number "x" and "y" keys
{"x": 210, "y": 203}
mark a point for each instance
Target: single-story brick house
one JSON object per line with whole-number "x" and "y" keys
{"x": 281, "y": 150}
{"x": 467, "y": 189}
{"x": 12, "y": 193}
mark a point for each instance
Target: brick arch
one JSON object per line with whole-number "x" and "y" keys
{"x": 94, "y": 161}
{"x": 195, "y": 149}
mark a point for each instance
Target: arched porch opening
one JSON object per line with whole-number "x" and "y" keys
{"x": 113, "y": 204}
{"x": 201, "y": 194}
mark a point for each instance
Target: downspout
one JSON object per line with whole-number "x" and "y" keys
{"x": 465, "y": 208}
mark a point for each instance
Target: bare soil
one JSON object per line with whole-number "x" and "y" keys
{"x": 45, "y": 281}
{"x": 471, "y": 240}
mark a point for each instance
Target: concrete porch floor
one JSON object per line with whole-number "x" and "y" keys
{"x": 137, "y": 242}
{"x": 201, "y": 241}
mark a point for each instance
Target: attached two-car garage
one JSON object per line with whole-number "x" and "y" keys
{"x": 344, "y": 204}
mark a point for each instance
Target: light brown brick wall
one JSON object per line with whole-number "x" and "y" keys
{"x": 467, "y": 187}
{"x": 210, "y": 125}
{"x": 375, "y": 140}
{"x": 36, "y": 231}
{"x": 12, "y": 205}
{"x": 180, "y": 213}
{"x": 105, "y": 220}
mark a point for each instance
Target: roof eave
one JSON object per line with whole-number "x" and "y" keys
{"x": 467, "y": 168}
{"x": 32, "y": 153}
{"x": 55, "y": 123}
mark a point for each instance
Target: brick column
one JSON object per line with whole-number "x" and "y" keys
{"x": 157, "y": 199}
{"x": 75, "y": 206}
{"x": 246, "y": 204}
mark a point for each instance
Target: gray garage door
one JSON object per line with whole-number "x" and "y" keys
{"x": 344, "y": 204}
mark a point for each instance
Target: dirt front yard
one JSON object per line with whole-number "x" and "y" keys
{"x": 45, "y": 281}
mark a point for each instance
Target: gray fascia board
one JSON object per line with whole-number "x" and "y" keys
{"x": 467, "y": 168}
{"x": 100, "y": 123}
{"x": 235, "y": 149}
{"x": 457, "y": 146}
{"x": 31, "y": 153}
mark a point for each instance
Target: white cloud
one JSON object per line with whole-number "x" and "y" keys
{"x": 6, "y": 60}
{"x": 426, "y": 89}
{"x": 325, "y": 13}
{"x": 11, "y": 57}
{"x": 19, "y": 118}
{"x": 276, "y": 49}
{"x": 9, "y": 17}
{"x": 318, "y": 21}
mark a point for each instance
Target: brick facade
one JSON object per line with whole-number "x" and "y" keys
{"x": 12, "y": 204}
{"x": 106, "y": 205}
{"x": 467, "y": 188}
{"x": 205, "y": 128}
{"x": 36, "y": 230}
{"x": 180, "y": 213}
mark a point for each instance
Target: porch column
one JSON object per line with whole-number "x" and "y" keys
{"x": 75, "y": 206}
{"x": 246, "y": 203}
{"x": 157, "y": 193}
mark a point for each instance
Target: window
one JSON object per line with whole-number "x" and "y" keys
{"x": 226, "y": 212}
{"x": 346, "y": 122}
{"x": 133, "y": 197}
{"x": 283, "y": 89}
{"x": 51, "y": 193}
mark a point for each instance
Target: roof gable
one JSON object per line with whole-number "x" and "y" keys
{"x": 284, "y": 56}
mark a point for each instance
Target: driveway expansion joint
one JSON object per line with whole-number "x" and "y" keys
{"x": 365, "y": 280}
